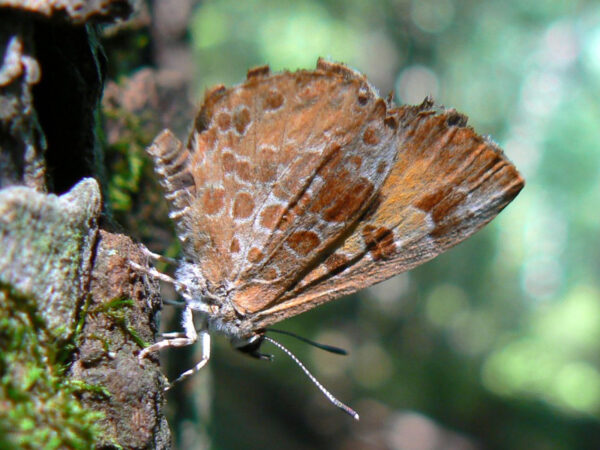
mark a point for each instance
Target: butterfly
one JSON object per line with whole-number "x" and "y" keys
{"x": 297, "y": 188}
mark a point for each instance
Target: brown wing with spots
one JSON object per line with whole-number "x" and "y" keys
{"x": 446, "y": 184}
{"x": 282, "y": 164}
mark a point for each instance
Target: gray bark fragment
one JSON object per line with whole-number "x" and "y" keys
{"x": 46, "y": 243}
{"x": 22, "y": 142}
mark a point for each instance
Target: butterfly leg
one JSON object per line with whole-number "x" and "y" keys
{"x": 173, "y": 335}
{"x": 177, "y": 339}
{"x": 182, "y": 339}
{"x": 204, "y": 338}
{"x": 156, "y": 256}
{"x": 151, "y": 271}
{"x": 154, "y": 273}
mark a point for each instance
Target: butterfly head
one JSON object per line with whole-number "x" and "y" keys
{"x": 214, "y": 308}
{"x": 251, "y": 345}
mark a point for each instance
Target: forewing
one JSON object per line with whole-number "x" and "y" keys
{"x": 446, "y": 184}
{"x": 268, "y": 158}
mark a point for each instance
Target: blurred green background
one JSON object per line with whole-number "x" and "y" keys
{"x": 495, "y": 344}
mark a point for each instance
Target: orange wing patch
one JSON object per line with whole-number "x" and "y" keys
{"x": 446, "y": 184}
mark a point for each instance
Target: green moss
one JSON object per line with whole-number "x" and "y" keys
{"x": 38, "y": 408}
{"x": 126, "y": 158}
{"x": 99, "y": 391}
{"x": 114, "y": 309}
{"x": 82, "y": 316}
{"x": 113, "y": 306}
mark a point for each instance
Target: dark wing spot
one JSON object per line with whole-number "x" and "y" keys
{"x": 243, "y": 170}
{"x": 243, "y": 206}
{"x": 213, "y": 200}
{"x": 241, "y": 119}
{"x": 391, "y": 122}
{"x": 235, "y": 246}
{"x": 255, "y": 255}
{"x": 303, "y": 242}
{"x": 224, "y": 121}
{"x": 356, "y": 161}
{"x": 456, "y": 119}
{"x": 270, "y": 216}
{"x": 335, "y": 261}
{"x": 441, "y": 203}
{"x": 270, "y": 274}
{"x": 379, "y": 242}
{"x": 273, "y": 100}
{"x": 228, "y": 162}
{"x": 337, "y": 203}
{"x": 370, "y": 137}
{"x": 260, "y": 71}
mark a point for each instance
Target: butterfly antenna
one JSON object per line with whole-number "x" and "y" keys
{"x": 327, "y": 348}
{"x": 325, "y": 392}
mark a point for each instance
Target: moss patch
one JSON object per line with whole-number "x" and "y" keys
{"x": 39, "y": 407}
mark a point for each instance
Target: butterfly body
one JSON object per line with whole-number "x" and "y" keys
{"x": 297, "y": 188}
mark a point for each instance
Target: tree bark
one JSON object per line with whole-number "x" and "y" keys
{"x": 73, "y": 314}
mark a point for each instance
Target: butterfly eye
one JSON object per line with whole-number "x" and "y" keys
{"x": 251, "y": 346}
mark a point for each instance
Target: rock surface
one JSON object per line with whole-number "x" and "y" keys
{"x": 47, "y": 243}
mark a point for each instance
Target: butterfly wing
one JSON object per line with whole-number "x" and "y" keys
{"x": 172, "y": 164}
{"x": 447, "y": 183}
{"x": 282, "y": 165}
{"x": 298, "y": 188}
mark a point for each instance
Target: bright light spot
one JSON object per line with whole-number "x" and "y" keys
{"x": 545, "y": 239}
{"x": 380, "y": 57}
{"x": 550, "y": 364}
{"x": 210, "y": 27}
{"x": 561, "y": 46}
{"x": 329, "y": 364}
{"x": 577, "y": 386}
{"x": 432, "y": 16}
{"x": 472, "y": 332}
{"x": 387, "y": 296}
{"x": 574, "y": 322}
{"x": 306, "y": 32}
{"x": 444, "y": 303}
{"x": 542, "y": 277}
{"x": 525, "y": 153}
{"x": 541, "y": 93}
{"x": 592, "y": 51}
{"x": 415, "y": 83}
{"x": 546, "y": 231}
{"x": 372, "y": 365}
{"x": 414, "y": 431}
{"x": 525, "y": 366}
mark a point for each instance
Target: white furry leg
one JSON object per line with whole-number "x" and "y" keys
{"x": 156, "y": 256}
{"x": 154, "y": 273}
{"x": 151, "y": 271}
{"x": 177, "y": 339}
{"x": 205, "y": 341}
{"x": 173, "y": 335}
{"x": 182, "y": 339}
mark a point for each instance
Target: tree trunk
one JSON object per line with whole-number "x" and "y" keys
{"x": 73, "y": 314}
